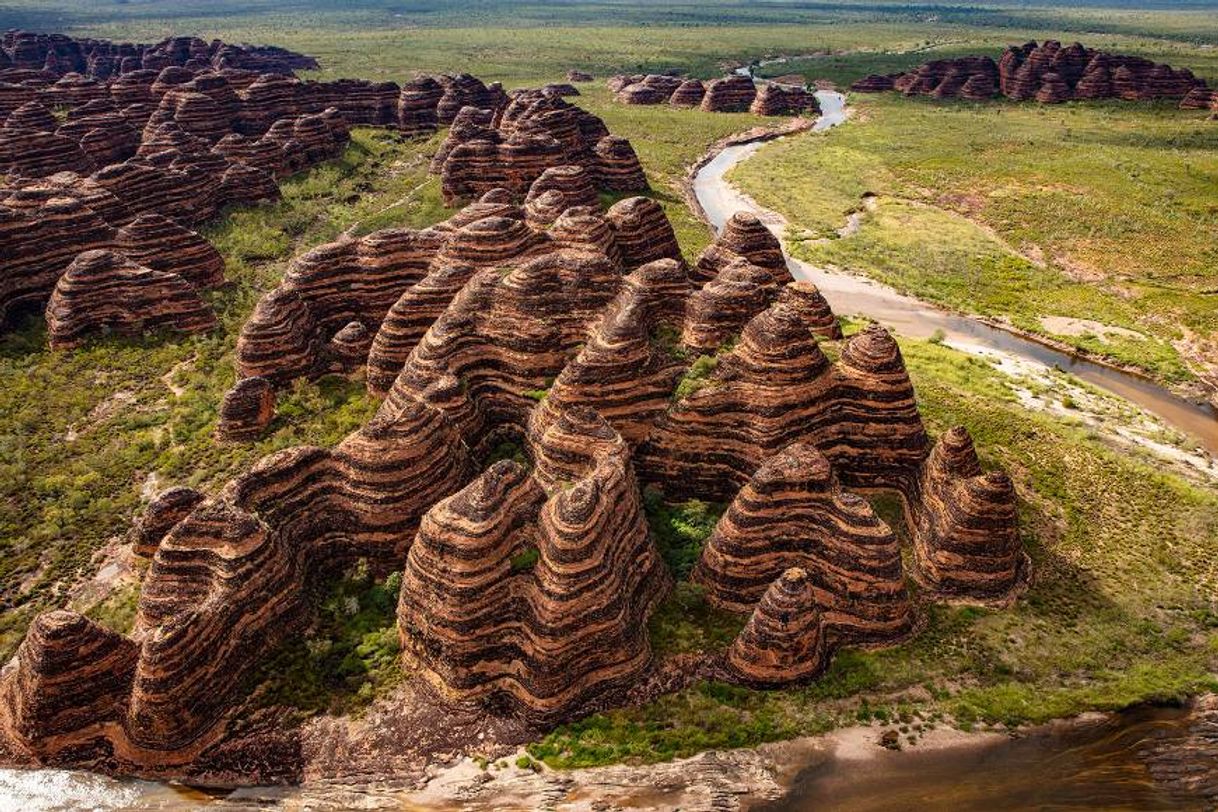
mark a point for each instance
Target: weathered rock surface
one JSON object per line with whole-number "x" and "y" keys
{"x": 1047, "y": 72}
{"x": 784, "y": 639}
{"x": 248, "y": 408}
{"x": 782, "y": 100}
{"x": 104, "y": 291}
{"x": 166, "y": 509}
{"x": 731, "y": 94}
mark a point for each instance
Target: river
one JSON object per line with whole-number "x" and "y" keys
{"x": 851, "y": 294}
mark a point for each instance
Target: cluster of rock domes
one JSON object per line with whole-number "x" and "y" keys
{"x": 87, "y": 161}
{"x": 1048, "y": 73}
{"x": 528, "y": 589}
{"x": 511, "y": 144}
{"x": 731, "y": 94}
{"x": 58, "y": 54}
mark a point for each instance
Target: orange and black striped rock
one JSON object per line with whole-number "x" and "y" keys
{"x": 166, "y": 509}
{"x": 417, "y": 105}
{"x": 34, "y": 154}
{"x": 784, "y": 640}
{"x": 463, "y": 90}
{"x": 584, "y": 228}
{"x": 742, "y": 236}
{"x": 793, "y": 513}
{"x": 347, "y": 350}
{"x": 1200, "y": 98}
{"x": 731, "y": 94}
{"x": 619, "y": 373}
{"x": 722, "y": 307}
{"x": 146, "y": 188}
{"x": 565, "y": 625}
{"x": 617, "y": 166}
{"x": 688, "y": 94}
{"x": 247, "y": 409}
{"x": 70, "y": 676}
{"x": 873, "y": 83}
{"x": 493, "y": 241}
{"x": 85, "y": 190}
{"x": 159, "y": 243}
{"x": 409, "y": 319}
{"x": 643, "y": 232}
{"x": 102, "y": 291}
{"x": 640, "y": 93}
{"x": 105, "y": 137}
{"x": 1053, "y": 89}
{"x": 32, "y": 116}
{"x": 244, "y": 184}
{"x": 784, "y": 100}
{"x": 505, "y": 336}
{"x": 322, "y": 292}
{"x": 42, "y": 231}
{"x": 556, "y": 190}
{"x": 777, "y": 387}
{"x": 966, "y": 535}
{"x": 663, "y": 287}
{"x": 810, "y": 303}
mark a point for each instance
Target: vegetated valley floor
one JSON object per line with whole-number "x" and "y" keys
{"x": 1122, "y": 608}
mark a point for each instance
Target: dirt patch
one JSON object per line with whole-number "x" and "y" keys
{"x": 1066, "y": 326}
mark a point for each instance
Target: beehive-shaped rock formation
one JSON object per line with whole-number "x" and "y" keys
{"x": 643, "y": 232}
{"x": 248, "y": 408}
{"x": 793, "y": 513}
{"x": 776, "y": 387}
{"x": 784, "y": 641}
{"x": 540, "y": 602}
{"x": 731, "y": 94}
{"x": 166, "y": 509}
{"x": 102, "y": 290}
{"x": 688, "y": 94}
{"x": 743, "y": 236}
{"x": 781, "y": 100}
{"x": 617, "y": 166}
{"x": 159, "y": 243}
{"x": 966, "y": 538}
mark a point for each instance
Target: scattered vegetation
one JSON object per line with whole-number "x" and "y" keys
{"x": 1100, "y": 211}
{"x": 347, "y": 659}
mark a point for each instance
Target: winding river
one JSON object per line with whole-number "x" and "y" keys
{"x": 850, "y": 294}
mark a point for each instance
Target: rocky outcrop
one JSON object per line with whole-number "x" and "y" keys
{"x": 518, "y": 590}
{"x": 574, "y": 75}
{"x": 247, "y": 409}
{"x": 1047, "y": 72}
{"x": 102, "y": 59}
{"x": 873, "y": 83}
{"x": 70, "y": 674}
{"x": 323, "y": 291}
{"x": 784, "y": 641}
{"x": 159, "y": 243}
{"x": 165, "y": 510}
{"x": 782, "y": 100}
{"x": 716, "y": 313}
{"x": 688, "y": 94}
{"x": 617, "y": 167}
{"x": 105, "y": 291}
{"x": 731, "y": 94}
{"x": 743, "y": 236}
{"x": 642, "y": 231}
{"x": 417, "y": 106}
{"x": 966, "y": 535}
{"x": 777, "y": 387}
{"x": 793, "y": 513}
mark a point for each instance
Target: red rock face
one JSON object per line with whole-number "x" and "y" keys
{"x": 780, "y": 100}
{"x": 688, "y": 94}
{"x": 1047, "y": 73}
{"x": 784, "y": 640}
{"x": 731, "y": 94}
{"x": 105, "y": 291}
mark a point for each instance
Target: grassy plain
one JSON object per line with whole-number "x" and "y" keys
{"x": 1099, "y": 211}
{"x": 1122, "y": 609}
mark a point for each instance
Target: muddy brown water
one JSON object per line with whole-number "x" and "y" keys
{"x": 905, "y": 315}
{"x": 1101, "y": 764}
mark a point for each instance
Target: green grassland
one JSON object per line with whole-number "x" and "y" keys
{"x": 1102, "y": 211}
{"x": 1122, "y": 608}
